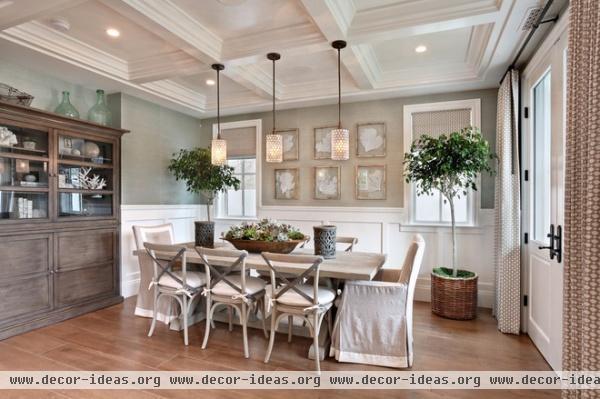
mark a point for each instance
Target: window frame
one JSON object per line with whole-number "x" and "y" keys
{"x": 257, "y": 125}
{"x": 473, "y": 198}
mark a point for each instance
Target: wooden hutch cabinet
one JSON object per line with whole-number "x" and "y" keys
{"x": 59, "y": 218}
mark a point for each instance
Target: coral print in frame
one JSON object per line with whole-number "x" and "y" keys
{"x": 287, "y": 184}
{"x": 327, "y": 182}
{"x": 290, "y": 144}
{"x": 370, "y": 182}
{"x": 371, "y": 140}
{"x": 323, "y": 142}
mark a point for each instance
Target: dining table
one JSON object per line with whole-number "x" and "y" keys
{"x": 344, "y": 266}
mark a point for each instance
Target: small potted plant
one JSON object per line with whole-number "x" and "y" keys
{"x": 202, "y": 177}
{"x": 450, "y": 164}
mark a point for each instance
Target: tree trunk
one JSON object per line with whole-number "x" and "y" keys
{"x": 208, "y": 211}
{"x": 454, "y": 266}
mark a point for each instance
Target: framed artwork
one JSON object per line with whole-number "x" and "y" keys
{"x": 327, "y": 182}
{"x": 323, "y": 142}
{"x": 370, "y": 182}
{"x": 291, "y": 145}
{"x": 371, "y": 140}
{"x": 287, "y": 184}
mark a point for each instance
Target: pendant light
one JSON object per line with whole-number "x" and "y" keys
{"x": 274, "y": 141}
{"x": 340, "y": 138}
{"x": 218, "y": 147}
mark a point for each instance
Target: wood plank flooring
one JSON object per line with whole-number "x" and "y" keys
{"x": 114, "y": 339}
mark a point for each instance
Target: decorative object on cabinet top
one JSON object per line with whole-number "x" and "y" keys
{"x": 66, "y": 108}
{"x": 14, "y": 96}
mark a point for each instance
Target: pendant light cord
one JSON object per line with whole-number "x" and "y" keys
{"x": 274, "y": 96}
{"x": 339, "y": 92}
{"x": 218, "y": 107}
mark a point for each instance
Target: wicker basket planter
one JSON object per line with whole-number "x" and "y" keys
{"x": 454, "y": 298}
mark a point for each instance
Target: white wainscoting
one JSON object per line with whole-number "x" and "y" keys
{"x": 384, "y": 230}
{"x": 181, "y": 216}
{"x": 377, "y": 229}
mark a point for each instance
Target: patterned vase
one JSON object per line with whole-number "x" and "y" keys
{"x": 325, "y": 241}
{"x": 66, "y": 108}
{"x": 100, "y": 113}
{"x": 205, "y": 234}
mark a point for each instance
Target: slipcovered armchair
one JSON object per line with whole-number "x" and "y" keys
{"x": 374, "y": 323}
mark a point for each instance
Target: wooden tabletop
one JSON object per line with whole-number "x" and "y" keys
{"x": 345, "y": 265}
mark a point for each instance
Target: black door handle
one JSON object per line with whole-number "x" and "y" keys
{"x": 555, "y": 246}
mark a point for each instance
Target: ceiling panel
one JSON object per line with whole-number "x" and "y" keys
{"x": 89, "y": 22}
{"x": 449, "y": 47}
{"x": 236, "y": 18}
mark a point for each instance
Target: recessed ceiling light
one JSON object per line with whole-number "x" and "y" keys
{"x": 112, "y": 32}
{"x": 420, "y": 49}
{"x": 210, "y": 82}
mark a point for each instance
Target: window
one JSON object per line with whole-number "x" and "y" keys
{"x": 241, "y": 203}
{"x": 243, "y": 153}
{"x": 436, "y": 119}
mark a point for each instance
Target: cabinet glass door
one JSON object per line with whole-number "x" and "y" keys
{"x": 24, "y": 164}
{"x": 85, "y": 177}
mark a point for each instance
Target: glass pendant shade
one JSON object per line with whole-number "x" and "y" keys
{"x": 340, "y": 144}
{"x": 274, "y": 144}
{"x": 218, "y": 152}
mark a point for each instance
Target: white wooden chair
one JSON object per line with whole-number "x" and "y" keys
{"x": 310, "y": 302}
{"x": 383, "y": 339}
{"x": 351, "y": 241}
{"x": 182, "y": 285}
{"x": 229, "y": 284}
{"x": 157, "y": 234}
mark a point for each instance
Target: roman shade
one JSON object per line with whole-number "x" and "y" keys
{"x": 241, "y": 142}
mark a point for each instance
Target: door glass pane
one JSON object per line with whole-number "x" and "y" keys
{"x": 541, "y": 159}
{"x": 78, "y": 204}
{"x": 75, "y": 149}
{"x": 15, "y": 172}
{"x": 23, "y": 205}
{"x": 20, "y": 140}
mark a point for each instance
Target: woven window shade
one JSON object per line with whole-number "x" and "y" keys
{"x": 436, "y": 123}
{"x": 241, "y": 142}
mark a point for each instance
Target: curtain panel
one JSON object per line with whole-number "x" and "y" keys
{"x": 508, "y": 209}
{"x": 581, "y": 312}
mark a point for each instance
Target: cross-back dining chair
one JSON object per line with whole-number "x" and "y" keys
{"x": 292, "y": 297}
{"x": 351, "y": 241}
{"x": 157, "y": 234}
{"x": 182, "y": 285}
{"x": 229, "y": 284}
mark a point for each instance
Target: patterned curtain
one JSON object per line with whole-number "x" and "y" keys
{"x": 581, "y": 314}
{"x": 508, "y": 209}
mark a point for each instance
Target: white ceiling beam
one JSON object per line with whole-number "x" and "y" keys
{"x": 16, "y": 12}
{"x": 334, "y": 18}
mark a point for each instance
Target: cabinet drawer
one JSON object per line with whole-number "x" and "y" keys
{"x": 24, "y": 254}
{"x": 24, "y": 296}
{"x": 74, "y": 286}
{"x": 76, "y": 249}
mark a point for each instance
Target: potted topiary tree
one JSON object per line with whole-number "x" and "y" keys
{"x": 201, "y": 176}
{"x": 450, "y": 164}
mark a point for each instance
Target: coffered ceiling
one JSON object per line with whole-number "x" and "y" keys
{"x": 165, "y": 47}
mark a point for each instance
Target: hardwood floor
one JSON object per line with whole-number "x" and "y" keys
{"x": 114, "y": 339}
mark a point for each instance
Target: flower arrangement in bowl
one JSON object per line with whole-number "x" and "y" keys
{"x": 265, "y": 236}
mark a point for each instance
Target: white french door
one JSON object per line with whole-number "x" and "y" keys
{"x": 544, "y": 94}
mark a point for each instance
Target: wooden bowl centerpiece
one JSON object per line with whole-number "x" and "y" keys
{"x": 265, "y": 236}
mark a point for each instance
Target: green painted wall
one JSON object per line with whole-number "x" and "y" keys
{"x": 156, "y": 133}
{"x": 389, "y": 111}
